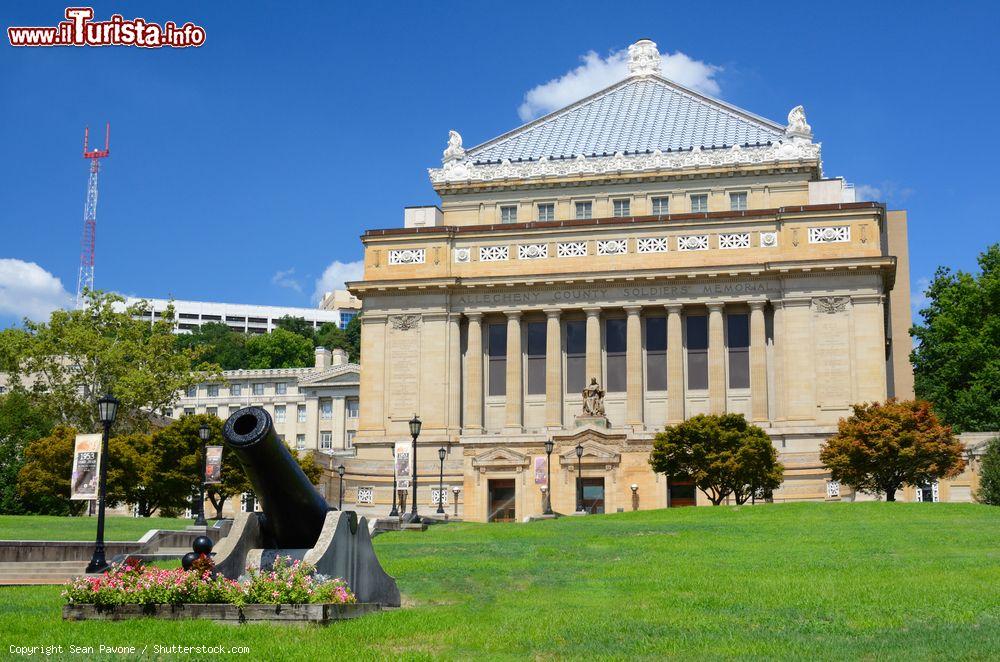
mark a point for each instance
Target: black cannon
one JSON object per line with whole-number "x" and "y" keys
{"x": 294, "y": 511}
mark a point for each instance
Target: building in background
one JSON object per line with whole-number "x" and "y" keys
{"x": 250, "y": 318}
{"x": 314, "y": 409}
{"x": 689, "y": 255}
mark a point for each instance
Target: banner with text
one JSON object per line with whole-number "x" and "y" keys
{"x": 403, "y": 465}
{"x": 213, "y": 464}
{"x": 541, "y": 474}
{"x": 86, "y": 463}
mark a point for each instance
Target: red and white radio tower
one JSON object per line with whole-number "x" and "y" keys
{"x": 86, "y": 280}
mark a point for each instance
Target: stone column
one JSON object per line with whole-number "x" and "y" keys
{"x": 675, "y": 365}
{"x": 515, "y": 392}
{"x": 716, "y": 360}
{"x": 779, "y": 360}
{"x": 473, "y": 423}
{"x": 553, "y": 370}
{"x": 633, "y": 363}
{"x": 758, "y": 362}
{"x": 454, "y": 421}
{"x": 594, "y": 345}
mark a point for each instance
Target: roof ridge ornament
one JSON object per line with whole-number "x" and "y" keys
{"x": 797, "y": 125}
{"x": 455, "y": 151}
{"x": 644, "y": 58}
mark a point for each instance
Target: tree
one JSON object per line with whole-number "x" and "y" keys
{"x": 297, "y": 325}
{"x": 721, "y": 454}
{"x": 23, "y": 419}
{"x": 78, "y": 355}
{"x": 353, "y": 334}
{"x": 989, "y": 474}
{"x": 279, "y": 349}
{"x": 957, "y": 361}
{"x": 43, "y": 482}
{"x": 217, "y": 344}
{"x": 883, "y": 446}
{"x": 348, "y": 339}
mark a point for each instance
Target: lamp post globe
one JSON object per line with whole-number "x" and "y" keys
{"x": 340, "y": 472}
{"x": 204, "y": 433}
{"x": 107, "y": 411}
{"x": 414, "y": 432}
{"x": 579, "y": 478}
{"x": 635, "y": 496}
{"x": 441, "y": 455}
{"x": 549, "y": 446}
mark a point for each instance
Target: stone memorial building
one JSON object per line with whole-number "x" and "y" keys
{"x": 690, "y": 256}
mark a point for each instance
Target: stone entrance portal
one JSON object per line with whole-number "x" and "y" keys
{"x": 502, "y": 500}
{"x": 593, "y": 495}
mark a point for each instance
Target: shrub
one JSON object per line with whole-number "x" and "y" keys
{"x": 293, "y": 582}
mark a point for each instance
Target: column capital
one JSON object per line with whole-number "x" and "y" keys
{"x": 512, "y": 314}
{"x": 553, "y": 313}
{"x": 715, "y": 306}
{"x": 674, "y": 308}
{"x": 592, "y": 311}
{"x": 473, "y": 316}
{"x": 757, "y": 304}
{"x": 633, "y": 310}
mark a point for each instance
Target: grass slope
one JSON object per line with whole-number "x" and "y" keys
{"x": 808, "y": 580}
{"x": 41, "y": 527}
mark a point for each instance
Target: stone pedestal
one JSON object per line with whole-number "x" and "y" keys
{"x": 600, "y": 422}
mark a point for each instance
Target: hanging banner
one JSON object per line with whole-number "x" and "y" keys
{"x": 541, "y": 474}
{"x": 86, "y": 461}
{"x": 402, "y": 465}
{"x": 213, "y": 464}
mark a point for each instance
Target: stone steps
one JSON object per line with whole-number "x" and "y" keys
{"x": 40, "y": 572}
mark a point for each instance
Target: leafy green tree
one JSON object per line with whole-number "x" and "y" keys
{"x": 353, "y": 334}
{"x": 989, "y": 474}
{"x": 957, "y": 361}
{"x": 23, "y": 419}
{"x": 332, "y": 336}
{"x": 43, "y": 482}
{"x": 217, "y": 344}
{"x": 883, "y": 446}
{"x": 279, "y": 349}
{"x": 297, "y": 325}
{"x": 722, "y": 455}
{"x": 80, "y": 354}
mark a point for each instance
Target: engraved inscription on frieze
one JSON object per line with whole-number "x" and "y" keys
{"x": 650, "y": 293}
{"x": 404, "y": 355}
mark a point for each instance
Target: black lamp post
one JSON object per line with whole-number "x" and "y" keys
{"x": 340, "y": 472}
{"x": 455, "y": 490}
{"x": 549, "y": 445}
{"x": 414, "y": 432}
{"x": 107, "y": 409}
{"x": 579, "y": 478}
{"x": 203, "y": 433}
{"x": 441, "y": 453}
{"x": 395, "y": 510}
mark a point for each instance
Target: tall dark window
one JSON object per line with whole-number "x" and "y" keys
{"x": 697, "y": 351}
{"x": 497, "y": 338}
{"x": 656, "y": 353}
{"x": 615, "y": 341}
{"x": 576, "y": 356}
{"x": 739, "y": 350}
{"x": 536, "y": 358}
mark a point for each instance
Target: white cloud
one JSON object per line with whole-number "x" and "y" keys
{"x": 27, "y": 290}
{"x": 918, "y": 296}
{"x": 285, "y": 279}
{"x": 335, "y": 275}
{"x": 888, "y": 191}
{"x": 598, "y": 72}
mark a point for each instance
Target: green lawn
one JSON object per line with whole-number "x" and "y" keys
{"x": 804, "y": 581}
{"x": 35, "y": 527}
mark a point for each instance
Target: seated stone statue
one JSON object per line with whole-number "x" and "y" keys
{"x": 593, "y": 399}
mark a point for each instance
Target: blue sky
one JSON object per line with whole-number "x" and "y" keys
{"x": 241, "y": 170}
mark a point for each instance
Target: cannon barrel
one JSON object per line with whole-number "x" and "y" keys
{"x": 294, "y": 511}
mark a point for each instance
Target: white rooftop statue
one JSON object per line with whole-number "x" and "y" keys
{"x": 797, "y": 125}
{"x": 643, "y": 58}
{"x": 454, "y": 150}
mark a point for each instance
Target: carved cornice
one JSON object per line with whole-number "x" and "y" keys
{"x": 465, "y": 170}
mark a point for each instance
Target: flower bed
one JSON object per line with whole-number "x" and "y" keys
{"x": 288, "y": 583}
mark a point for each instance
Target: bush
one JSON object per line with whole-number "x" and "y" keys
{"x": 131, "y": 583}
{"x": 989, "y": 474}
